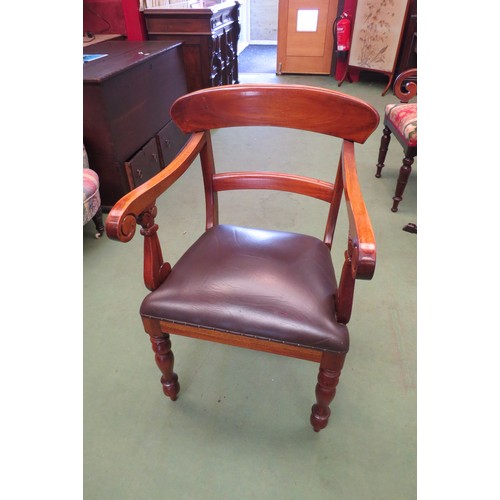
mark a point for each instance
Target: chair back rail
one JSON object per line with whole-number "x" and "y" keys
{"x": 277, "y": 181}
{"x": 292, "y": 106}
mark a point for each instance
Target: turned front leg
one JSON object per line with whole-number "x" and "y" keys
{"x": 384, "y": 146}
{"x": 328, "y": 378}
{"x": 164, "y": 358}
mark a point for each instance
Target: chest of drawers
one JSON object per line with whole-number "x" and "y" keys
{"x": 127, "y": 95}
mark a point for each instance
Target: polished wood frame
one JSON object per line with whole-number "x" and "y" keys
{"x": 293, "y": 106}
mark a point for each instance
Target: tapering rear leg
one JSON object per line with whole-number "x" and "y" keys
{"x": 382, "y": 152}
{"x": 164, "y": 358}
{"x": 404, "y": 174}
{"x": 328, "y": 378}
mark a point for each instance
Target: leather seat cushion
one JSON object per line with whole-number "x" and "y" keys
{"x": 265, "y": 284}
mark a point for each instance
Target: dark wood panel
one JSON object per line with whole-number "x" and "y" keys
{"x": 408, "y": 52}
{"x": 127, "y": 97}
{"x": 170, "y": 140}
{"x": 210, "y": 42}
{"x": 145, "y": 164}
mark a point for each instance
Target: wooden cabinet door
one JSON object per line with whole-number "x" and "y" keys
{"x": 305, "y": 36}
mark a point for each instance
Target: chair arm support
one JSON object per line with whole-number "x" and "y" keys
{"x": 122, "y": 219}
{"x": 361, "y": 236}
{"x": 360, "y": 255}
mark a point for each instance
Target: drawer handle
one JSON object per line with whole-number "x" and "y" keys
{"x": 167, "y": 142}
{"x": 139, "y": 173}
{"x": 155, "y": 156}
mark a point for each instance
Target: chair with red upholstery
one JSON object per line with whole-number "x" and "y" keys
{"x": 401, "y": 120}
{"x": 92, "y": 209}
{"x": 260, "y": 289}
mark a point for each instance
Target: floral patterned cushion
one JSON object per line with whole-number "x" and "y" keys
{"x": 91, "y": 197}
{"x": 404, "y": 118}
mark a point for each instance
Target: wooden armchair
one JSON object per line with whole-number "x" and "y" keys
{"x": 265, "y": 290}
{"x": 401, "y": 120}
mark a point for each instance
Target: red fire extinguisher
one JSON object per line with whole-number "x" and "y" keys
{"x": 343, "y": 33}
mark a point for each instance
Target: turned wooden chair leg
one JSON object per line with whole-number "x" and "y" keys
{"x": 404, "y": 174}
{"x": 328, "y": 378}
{"x": 164, "y": 358}
{"x": 384, "y": 146}
{"x": 98, "y": 223}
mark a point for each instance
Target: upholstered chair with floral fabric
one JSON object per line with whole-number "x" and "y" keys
{"x": 91, "y": 198}
{"x": 401, "y": 120}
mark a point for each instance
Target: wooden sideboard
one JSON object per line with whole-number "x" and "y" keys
{"x": 127, "y": 129}
{"x": 210, "y": 40}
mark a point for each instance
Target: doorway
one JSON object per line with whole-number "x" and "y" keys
{"x": 305, "y": 36}
{"x": 258, "y": 58}
{"x": 257, "y": 45}
{"x": 286, "y": 36}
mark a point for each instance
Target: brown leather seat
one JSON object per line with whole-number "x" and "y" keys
{"x": 258, "y": 289}
{"x": 266, "y": 284}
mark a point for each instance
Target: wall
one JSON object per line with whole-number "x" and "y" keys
{"x": 264, "y": 20}
{"x": 107, "y": 16}
{"x": 103, "y": 16}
